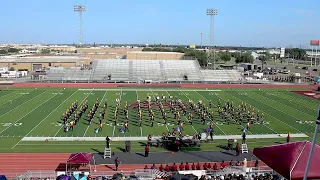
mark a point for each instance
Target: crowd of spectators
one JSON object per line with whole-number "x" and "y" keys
{"x": 239, "y": 177}
{"x": 196, "y": 166}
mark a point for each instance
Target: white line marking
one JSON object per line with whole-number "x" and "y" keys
{"x": 141, "y": 114}
{"x": 7, "y": 97}
{"x": 141, "y": 131}
{"x": 294, "y": 109}
{"x": 43, "y": 119}
{"x": 213, "y": 121}
{"x": 78, "y": 107}
{"x": 270, "y": 115}
{"x": 114, "y": 128}
{"x": 185, "y": 116}
{"x": 28, "y": 113}
{"x": 280, "y": 111}
{"x": 292, "y": 99}
{"x": 120, "y": 98}
{"x": 99, "y": 106}
{"x": 22, "y": 104}
{"x": 155, "y": 99}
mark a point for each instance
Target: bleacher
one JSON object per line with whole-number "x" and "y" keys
{"x": 221, "y": 75}
{"x": 143, "y": 70}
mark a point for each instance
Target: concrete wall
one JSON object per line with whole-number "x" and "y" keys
{"x": 29, "y": 65}
{"x": 119, "y": 51}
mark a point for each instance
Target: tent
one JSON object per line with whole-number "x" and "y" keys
{"x": 290, "y": 160}
{"x": 80, "y": 158}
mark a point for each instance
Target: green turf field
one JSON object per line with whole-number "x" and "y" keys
{"x": 36, "y": 113}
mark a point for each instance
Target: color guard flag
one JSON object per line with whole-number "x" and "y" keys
{"x": 318, "y": 118}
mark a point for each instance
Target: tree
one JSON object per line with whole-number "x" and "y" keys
{"x": 2, "y": 51}
{"x": 264, "y": 58}
{"x": 296, "y": 53}
{"x": 13, "y": 50}
{"x": 45, "y": 51}
{"x": 224, "y": 56}
{"x": 244, "y": 58}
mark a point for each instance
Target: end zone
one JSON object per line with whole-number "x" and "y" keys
{"x": 258, "y": 136}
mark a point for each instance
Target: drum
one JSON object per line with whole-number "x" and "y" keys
{"x": 203, "y": 136}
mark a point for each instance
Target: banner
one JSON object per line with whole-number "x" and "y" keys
{"x": 314, "y": 42}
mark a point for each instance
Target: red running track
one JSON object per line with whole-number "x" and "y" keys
{"x": 115, "y": 85}
{"x": 18, "y": 163}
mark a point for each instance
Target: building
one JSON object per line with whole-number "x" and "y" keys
{"x": 151, "y": 55}
{"x": 41, "y": 62}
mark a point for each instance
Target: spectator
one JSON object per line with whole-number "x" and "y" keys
{"x": 145, "y": 167}
{"x": 223, "y": 165}
{"x": 174, "y": 167}
{"x": 204, "y": 166}
{"x": 198, "y": 167}
{"x": 215, "y": 167}
{"x": 231, "y": 163}
{"x": 147, "y": 150}
{"x": 238, "y": 163}
{"x": 288, "y": 138}
{"x": 209, "y": 166}
{"x": 238, "y": 149}
{"x": 193, "y": 166}
{"x": 153, "y": 166}
{"x": 181, "y": 167}
{"x": 256, "y": 164}
{"x": 167, "y": 168}
{"x": 161, "y": 168}
{"x": 187, "y": 166}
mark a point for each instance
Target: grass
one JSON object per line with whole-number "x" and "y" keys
{"x": 33, "y": 112}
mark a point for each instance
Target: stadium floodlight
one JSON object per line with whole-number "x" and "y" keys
{"x": 80, "y": 9}
{"x": 212, "y": 13}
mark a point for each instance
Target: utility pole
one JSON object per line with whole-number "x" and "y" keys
{"x": 212, "y": 13}
{"x": 80, "y": 9}
{"x": 201, "y": 41}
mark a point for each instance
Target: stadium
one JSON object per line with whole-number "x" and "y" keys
{"x": 158, "y": 112}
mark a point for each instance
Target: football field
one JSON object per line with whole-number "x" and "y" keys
{"x": 35, "y": 113}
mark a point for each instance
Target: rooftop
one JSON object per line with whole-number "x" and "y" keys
{"x": 44, "y": 60}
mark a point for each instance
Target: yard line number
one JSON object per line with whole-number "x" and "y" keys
{"x": 10, "y": 124}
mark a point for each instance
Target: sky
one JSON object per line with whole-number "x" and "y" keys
{"x": 265, "y": 23}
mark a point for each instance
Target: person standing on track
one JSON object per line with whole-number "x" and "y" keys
{"x": 116, "y": 163}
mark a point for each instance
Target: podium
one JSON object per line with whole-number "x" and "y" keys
{"x": 107, "y": 153}
{"x": 244, "y": 148}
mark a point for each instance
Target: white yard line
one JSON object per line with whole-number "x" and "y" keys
{"x": 287, "y": 97}
{"x": 185, "y": 116}
{"x": 294, "y": 109}
{"x": 78, "y": 107}
{"x": 28, "y": 113}
{"x": 120, "y": 98}
{"x": 312, "y": 125}
{"x": 43, "y": 119}
{"x": 213, "y": 121}
{"x": 6, "y": 100}
{"x": 141, "y": 114}
{"x": 270, "y": 115}
{"x": 22, "y": 104}
{"x": 99, "y": 106}
{"x": 155, "y": 99}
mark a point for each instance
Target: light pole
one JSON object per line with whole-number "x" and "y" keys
{"x": 212, "y": 13}
{"x": 201, "y": 40}
{"x": 80, "y": 9}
